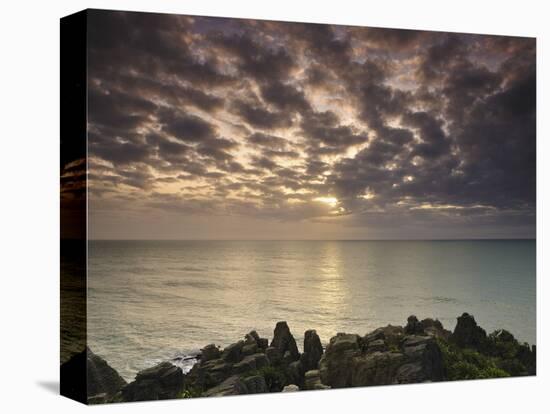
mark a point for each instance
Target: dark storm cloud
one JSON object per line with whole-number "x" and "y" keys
{"x": 152, "y": 44}
{"x": 390, "y": 40}
{"x": 283, "y": 154}
{"x": 269, "y": 141}
{"x": 264, "y": 163}
{"x": 170, "y": 91}
{"x": 285, "y": 97}
{"x": 434, "y": 141}
{"x": 325, "y": 127}
{"x": 320, "y": 43}
{"x": 254, "y": 59}
{"x": 441, "y": 56}
{"x": 118, "y": 110}
{"x": 185, "y": 127}
{"x": 374, "y": 127}
{"x": 259, "y": 117}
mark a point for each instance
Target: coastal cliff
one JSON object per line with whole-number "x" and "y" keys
{"x": 421, "y": 351}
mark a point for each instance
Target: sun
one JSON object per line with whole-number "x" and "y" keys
{"x": 331, "y": 201}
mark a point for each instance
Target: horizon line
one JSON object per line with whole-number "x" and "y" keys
{"x": 256, "y": 240}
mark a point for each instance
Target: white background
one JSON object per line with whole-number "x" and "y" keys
{"x": 29, "y": 209}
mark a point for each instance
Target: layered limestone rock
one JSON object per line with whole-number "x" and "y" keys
{"x": 421, "y": 351}
{"x": 161, "y": 382}
{"x": 101, "y": 383}
{"x": 284, "y": 342}
{"x": 313, "y": 350}
{"x": 385, "y": 356}
{"x": 468, "y": 334}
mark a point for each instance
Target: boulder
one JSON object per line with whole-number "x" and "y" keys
{"x": 261, "y": 360}
{"x": 414, "y": 327}
{"x": 378, "y": 345}
{"x": 102, "y": 381}
{"x": 247, "y": 364}
{"x": 163, "y": 381}
{"x": 98, "y": 399}
{"x": 418, "y": 359}
{"x": 288, "y": 358}
{"x": 284, "y": 341}
{"x": 350, "y": 361}
{"x": 250, "y": 363}
{"x": 336, "y": 363}
{"x": 374, "y": 335}
{"x": 232, "y": 353}
{"x": 378, "y": 368}
{"x": 208, "y": 374}
{"x": 274, "y": 355}
{"x": 435, "y": 328}
{"x": 313, "y": 350}
{"x": 424, "y": 361}
{"x": 249, "y": 349}
{"x": 255, "y": 384}
{"x": 312, "y": 381}
{"x": 291, "y": 388}
{"x": 253, "y": 338}
{"x": 144, "y": 390}
{"x": 295, "y": 373}
{"x": 468, "y": 334}
{"x": 210, "y": 352}
{"x": 233, "y": 385}
{"x": 392, "y": 336}
{"x": 263, "y": 343}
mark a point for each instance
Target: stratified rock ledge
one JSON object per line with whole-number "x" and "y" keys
{"x": 421, "y": 351}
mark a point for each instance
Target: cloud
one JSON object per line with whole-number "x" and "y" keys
{"x": 185, "y": 127}
{"x": 259, "y": 117}
{"x": 405, "y": 129}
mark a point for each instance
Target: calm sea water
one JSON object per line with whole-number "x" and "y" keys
{"x": 153, "y": 300}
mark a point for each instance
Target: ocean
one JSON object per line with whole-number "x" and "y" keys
{"x": 150, "y": 301}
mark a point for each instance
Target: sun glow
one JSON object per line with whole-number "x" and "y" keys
{"x": 332, "y": 201}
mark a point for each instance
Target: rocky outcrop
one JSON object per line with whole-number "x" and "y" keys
{"x": 255, "y": 384}
{"x": 337, "y": 363}
{"x": 250, "y": 363}
{"x": 161, "y": 382}
{"x": 274, "y": 355}
{"x": 313, "y": 350}
{"x": 423, "y": 361}
{"x": 390, "y": 355}
{"x": 468, "y": 334}
{"x": 312, "y": 381}
{"x": 390, "y": 335}
{"x": 435, "y": 328}
{"x": 284, "y": 342}
{"x": 210, "y": 352}
{"x": 246, "y": 360}
{"x": 232, "y": 353}
{"x": 295, "y": 373}
{"x": 427, "y": 326}
{"x": 233, "y": 385}
{"x": 414, "y": 327}
{"x": 421, "y": 351}
{"x": 253, "y": 337}
{"x": 102, "y": 382}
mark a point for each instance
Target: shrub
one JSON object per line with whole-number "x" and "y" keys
{"x": 463, "y": 364}
{"x": 191, "y": 392}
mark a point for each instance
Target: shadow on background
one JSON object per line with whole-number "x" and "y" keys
{"x": 51, "y": 386}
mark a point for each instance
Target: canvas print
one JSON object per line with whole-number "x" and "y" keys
{"x": 254, "y": 206}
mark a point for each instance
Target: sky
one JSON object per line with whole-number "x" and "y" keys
{"x": 212, "y": 128}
